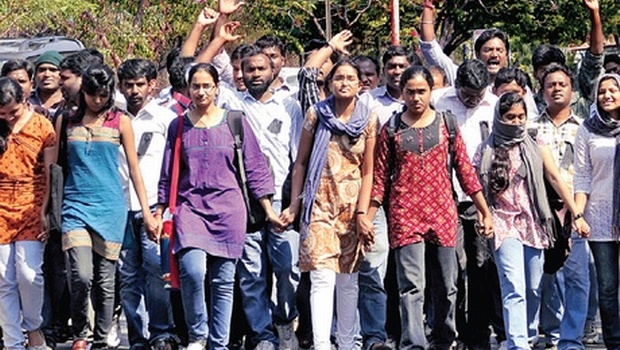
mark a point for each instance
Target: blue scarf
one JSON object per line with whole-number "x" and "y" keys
{"x": 328, "y": 124}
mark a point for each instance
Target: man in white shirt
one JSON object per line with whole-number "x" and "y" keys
{"x": 139, "y": 263}
{"x": 473, "y": 105}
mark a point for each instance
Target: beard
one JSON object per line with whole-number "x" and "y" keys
{"x": 257, "y": 90}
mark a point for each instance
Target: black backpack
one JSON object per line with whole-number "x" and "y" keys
{"x": 257, "y": 218}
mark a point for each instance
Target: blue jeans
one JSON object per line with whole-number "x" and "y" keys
{"x": 140, "y": 283}
{"x": 576, "y": 272}
{"x": 281, "y": 251}
{"x": 520, "y": 270}
{"x": 552, "y": 304}
{"x": 606, "y": 260}
{"x": 372, "y": 300}
{"x": 195, "y": 268}
{"x": 411, "y": 263}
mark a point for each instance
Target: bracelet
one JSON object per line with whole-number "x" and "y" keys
{"x": 428, "y": 22}
{"x": 331, "y": 46}
{"x": 360, "y": 212}
{"x": 578, "y": 216}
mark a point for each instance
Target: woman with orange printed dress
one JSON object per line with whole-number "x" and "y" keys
{"x": 27, "y": 142}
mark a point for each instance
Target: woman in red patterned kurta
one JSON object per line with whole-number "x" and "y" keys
{"x": 422, "y": 213}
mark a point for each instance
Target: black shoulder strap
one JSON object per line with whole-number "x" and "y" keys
{"x": 449, "y": 120}
{"x": 233, "y": 118}
{"x": 392, "y": 128}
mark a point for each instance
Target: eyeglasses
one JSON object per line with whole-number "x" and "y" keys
{"x": 207, "y": 88}
{"x": 342, "y": 78}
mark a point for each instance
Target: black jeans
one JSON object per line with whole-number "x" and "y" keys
{"x": 606, "y": 259}
{"x": 88, "y": 271}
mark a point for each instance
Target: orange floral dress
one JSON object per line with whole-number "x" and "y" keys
{"x": 332, "y": 241}
{"x": 22, "y": 180}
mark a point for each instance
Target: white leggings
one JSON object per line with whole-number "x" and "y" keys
{"x": 324, "y": 282}
{"x": 21, "y": 290}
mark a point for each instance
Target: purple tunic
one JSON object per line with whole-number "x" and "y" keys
{"x": 211, "y": 213}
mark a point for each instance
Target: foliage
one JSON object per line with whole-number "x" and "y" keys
{"x": 131, "y": 28}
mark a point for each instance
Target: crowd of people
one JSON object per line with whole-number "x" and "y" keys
{"x": 449, "y": 206}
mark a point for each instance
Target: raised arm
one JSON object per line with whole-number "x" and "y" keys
{"x": 431, "y": 50}
{"x": 592, "y": 64}
{"x": 206, "y": 18}
{"x": 427, "y": 21}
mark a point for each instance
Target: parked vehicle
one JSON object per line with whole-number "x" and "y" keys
{"x": 31, "y": 48}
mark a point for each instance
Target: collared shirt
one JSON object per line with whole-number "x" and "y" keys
{"x": 583, "y": 88}
{"x": 561, "y": 141}
{"x": 384, "y": 105}
{"x": 173, "y": 100}
{"x": 277, "y": 124}
{"x": 470, "y": 120}
{"x": 35, "y": 100}
{"x": 154, "y": 120}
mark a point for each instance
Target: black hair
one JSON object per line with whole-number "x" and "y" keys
{"x": 10, "y": 91}
{"x": 499, "y": 179}
{"x": 17, "y": 64}
{"x": 472, "y": 74}
{"x": 254, "y": 50}
{"x": 267, "y": 41}
{"x": 95, "y": 56}
{"x": 397, "y": 50}
{"x": 365, "y": 58}
{"x": 137, "y": 68}
{"x": 96, "y": 78}
{"x": 556, "y": 67}
{"x": 488, "y": 35}
{"x": 412, "y": 71}
{"x": 509, "y": 74}
{"x": 176, "y": 67}
{"x": 78, "y": 62}
{"x": 609, "y": 58}
{"x": 240, "y": 52}
{"x": 207, "y": 67}
{"x": 546, "y": 54}
{"x": 441, "y": 71}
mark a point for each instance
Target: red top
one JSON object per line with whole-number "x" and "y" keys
{"x": 421, "y": 205}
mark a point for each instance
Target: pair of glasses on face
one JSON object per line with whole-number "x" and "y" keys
{"x": 207, "y": 88}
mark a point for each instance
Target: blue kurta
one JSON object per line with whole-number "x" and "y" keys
{"x": 211, "y": 213}
{"x": 93, "y": 196}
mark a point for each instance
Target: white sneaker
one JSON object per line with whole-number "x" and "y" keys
{"x": 113, "y": 338}
{"x": 288, "y": 339}
{"x": 503, "y": 345}
{"x": 265, "y": 345}
{"x": 195, "y": 345}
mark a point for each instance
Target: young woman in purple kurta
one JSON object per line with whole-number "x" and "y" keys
{"x": 211, "y": 216}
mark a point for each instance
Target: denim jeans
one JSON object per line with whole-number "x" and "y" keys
{"x": 606, "y": 260}
{"x": 55, "y": 312}
{"x": 141, "y": 283}
{"x": 281, "y": 252}
{"x": 87, "y": 270}
{"x": 195, "y": 268}
{"x": 21, "y": 290}
{"x": 552, "y": 304}
{"x": 411, "y": 263}
{"x": 520, "y": 270}
{"x": 372, "y": 300}
{"x": 576, "y": 273}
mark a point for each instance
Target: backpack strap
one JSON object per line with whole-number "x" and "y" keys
{"x": 233, "y": 118}
{"x": 449, "y": 120}
{"x": 392, "y": 128}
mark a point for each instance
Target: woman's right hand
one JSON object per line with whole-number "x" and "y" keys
{"x": 288, "y": 215}
{"x": 582, "y": 227}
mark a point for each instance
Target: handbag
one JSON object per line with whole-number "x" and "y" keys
{"x": 169, "y": 264}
